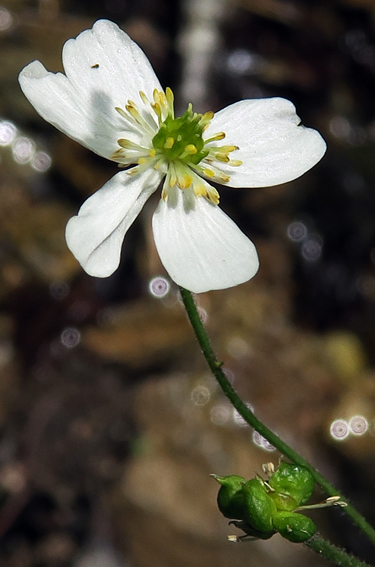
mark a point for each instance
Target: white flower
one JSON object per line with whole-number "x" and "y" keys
{"x": 111, "y": 101}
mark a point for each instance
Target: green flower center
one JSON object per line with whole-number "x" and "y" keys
{"x": 182, "y": 138}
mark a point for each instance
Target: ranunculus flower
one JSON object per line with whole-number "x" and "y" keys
{"x": 111, "y": 101}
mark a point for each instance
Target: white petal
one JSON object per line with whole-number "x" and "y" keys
{"x": 104, "y": 68}
{"x": 273, "y": 147}
{"x": 95, "y": 236}
{"x": 199, "y": 245}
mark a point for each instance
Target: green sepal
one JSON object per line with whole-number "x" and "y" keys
{"x": 230, "y": 498}
{"x": 259, "y": 507}
{"x": 294, "y": 480}
{"x": 294, "y": 527}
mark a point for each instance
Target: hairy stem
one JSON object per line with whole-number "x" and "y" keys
{"x": 333, "y": 553}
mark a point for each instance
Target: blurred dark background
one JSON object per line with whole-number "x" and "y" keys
{"x": 109, "y": 421}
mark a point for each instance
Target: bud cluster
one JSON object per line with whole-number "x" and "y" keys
{"x": 261, "y": 508}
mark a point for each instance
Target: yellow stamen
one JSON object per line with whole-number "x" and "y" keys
{"x": 132, "y": 109}
{"x": 222, "y": 157}
{"x": 172, "y": 176}
{"x": 208, "y": 172}
{"x": 121, "y": 111}
{"x": 206, "y": 118}
{"x": 216, "y": 137}
{"x": 213, "y": 195}
{"x": 157, "y": 110}
{"x": 169, "y": 143}
{"x": 116, "y": 154}
{"x": 170, "y": 98}
{"x": 199, "y": 190}
{"x": 228, "y": 149}
{"x": 152, "y": 152}
{"x": 163, "y": 99}
{"x": 144, "y": 97}
{"x": 124, "y": 143}
{"x": 184, "y": 181}
{"x": 223, "y": 177}
{"x": 235, "y": 162}
{"x": 158, "y": 164}
{"x": 164, "y": 193}
{"x": 191, "y": 149}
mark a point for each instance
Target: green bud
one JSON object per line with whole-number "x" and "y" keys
{"x": 294, "y": 480}
{"x": 259, "y": 507}
{"x": 230, "y": 498}
{"x": 294, "y": 527}
{"x": 284, "y": 502}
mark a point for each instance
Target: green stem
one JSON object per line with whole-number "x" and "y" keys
{"x": 333, "y": 553}
{"x": 254, "y": 422}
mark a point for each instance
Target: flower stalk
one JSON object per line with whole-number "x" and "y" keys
{"x": 215, "y": 365}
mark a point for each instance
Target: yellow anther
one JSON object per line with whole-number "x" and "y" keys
{"x": 216, "y": 137}
{"x": 169, "y": 142}
{"x": 152, "y": 152}
{"x": 164, "y": 193}
{"x": 213, "y": 195}
{"x": 222, "y": 157}
{"x": 223, "y": 177}
{"x": 199, "y": 190}
{"x": 142, "y": 160}
{"x": 172, "y": 179}
{"x": 228, "y": 149}
{"x": 157, "y": 109}
{"x": 235, "y": 162}
{"x": 163, "y": 99}
{"x": 184, "y": 181}
{"x": 124, "y": 143}
{"x": 117, "y": 153}
{"x": 206, "y": 118}
{"x": 155, "y": 94}
{"x": 132, "y": 109}
{"x": 121, "y": 111}
{"x": 191, "y": 149}
{"x": 158, "y": 164}
{"x": 144, "y": 97}
{"x": 170, "y": 98}
{"x": 208, "y": 173}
